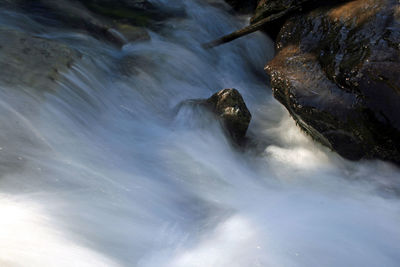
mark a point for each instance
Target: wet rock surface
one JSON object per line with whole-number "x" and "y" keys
{"x": 288, "y": 9}
{"x": 337, "y": 71}
{"x": 243, "y": 5}
{"x": 266, "y": 8}
{"x": 228, "y": 105}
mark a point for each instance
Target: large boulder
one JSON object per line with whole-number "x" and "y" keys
{"x": 267, "y": 8}
{"x": 337, "y": 71}
{"x": 287, "y": 8}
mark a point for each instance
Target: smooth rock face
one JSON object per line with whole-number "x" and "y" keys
{"x": 337, "y": 71}
{"x": 232, "y": 111}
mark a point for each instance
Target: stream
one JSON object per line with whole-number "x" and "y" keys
{"x": 109, "y": 170}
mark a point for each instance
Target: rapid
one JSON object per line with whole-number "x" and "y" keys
{"x": 107, "y": 170}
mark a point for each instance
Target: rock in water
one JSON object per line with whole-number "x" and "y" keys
{"x": 98, "y": 18}
{"x": 337, "y": 71}
{"x": 33, "y": 62}
{"x": 230, "y": 108}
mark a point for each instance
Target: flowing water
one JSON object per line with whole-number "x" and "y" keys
{"x": 107, "y": 171}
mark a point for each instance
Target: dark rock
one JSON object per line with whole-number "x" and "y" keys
{"x": 232, "y": 112}
{"x": 243, "y": 5}
{"x": 266, "y": 8}
{"x": 337, "y": 71}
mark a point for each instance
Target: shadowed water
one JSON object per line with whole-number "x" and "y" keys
{"x": 106, "y": 171}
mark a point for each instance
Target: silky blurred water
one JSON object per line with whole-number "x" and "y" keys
{"x": 108, "y": 171}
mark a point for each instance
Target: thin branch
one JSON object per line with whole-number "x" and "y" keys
{"x": 249, "y": 29}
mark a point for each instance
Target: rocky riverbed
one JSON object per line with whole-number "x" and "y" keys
{"x": 123, "y": 142}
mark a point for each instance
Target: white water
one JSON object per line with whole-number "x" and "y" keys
{"x": 106, "y": 172}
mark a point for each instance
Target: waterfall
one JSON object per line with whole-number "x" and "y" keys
{"x": 106, "y": 170}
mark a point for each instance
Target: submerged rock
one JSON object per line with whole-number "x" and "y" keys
{"x": 135, "y": 12}
{"x": 98, "y": 18}
{"x": 232, "y": 112}
{"x": 337, "y": 71}
{"x": 31, "y": 61}
{"x": 132, "y": 33}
